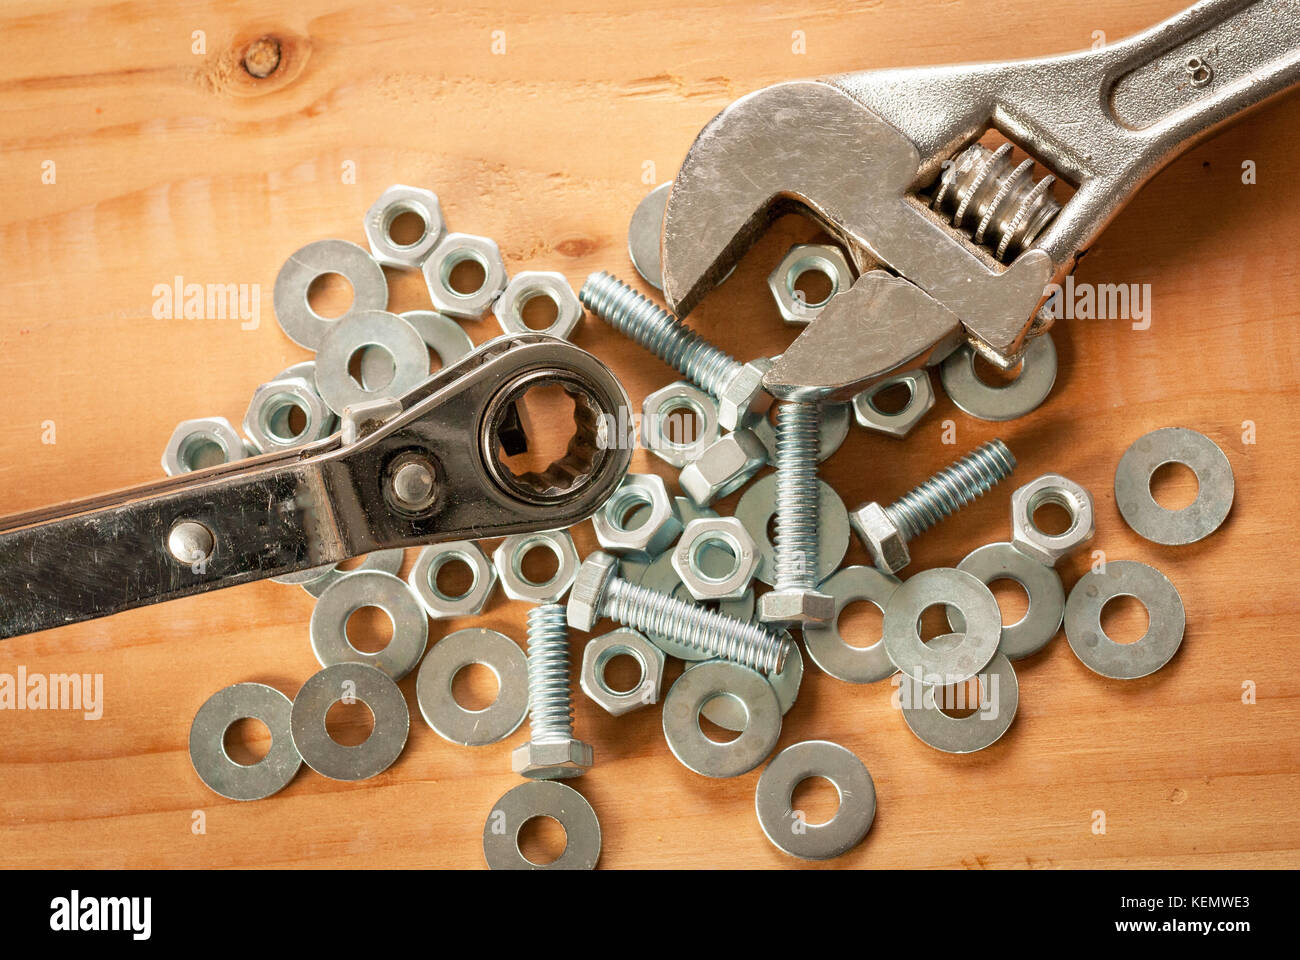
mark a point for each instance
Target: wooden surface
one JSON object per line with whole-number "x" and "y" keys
{"x": 169, "y": 162}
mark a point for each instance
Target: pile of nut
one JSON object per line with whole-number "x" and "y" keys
{"x": 677, "y": 577}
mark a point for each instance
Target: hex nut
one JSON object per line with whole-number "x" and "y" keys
{"x": 1051, "y": 488}
{"x": 729, "y": 533}
{"x": 742, "y": 399}
{"x": 804, "y": 258}
{"x": 509, "y": 556}
{"x": 588, "y": 590}
{"x": 393, "y": 203}
{"x": 899, "y": 423}
{"x": 423, "y": 579}
{"x": 654, "y": 535}
{"x": 552, "y": 759}
{"x": 622, "y": 642}
{"x": 723, "y": 467}
{"x": 887, "y": 546}
{"x": 697, "y": 410}
{"x": 266, "y": 423}
{"x": 199, "y": 443}
{"x": 529, "y": 285}
{"x": 451, "y": 251}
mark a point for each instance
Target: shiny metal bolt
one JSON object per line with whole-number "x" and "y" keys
{"x": 794, "y": 598}
{"x": 599, "y": 592}
{"x": 190, "y": 542}
{"x": 886, "y": 530}
{"x": 552, "y": 752}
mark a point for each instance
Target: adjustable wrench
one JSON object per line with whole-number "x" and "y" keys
{"x": 972, "y": 260}
{"x": 423, "y": 468}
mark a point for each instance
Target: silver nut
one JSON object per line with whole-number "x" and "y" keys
{"x": 743, "y": 399}
{"x": 453, "y": 250}
{"x": 205, "y": 442}
{"x": 716, "y": 558}
{"x": 807, "y": 258}
{"x": 269, "y": 421}
{"x": 509, "y": 558}
{"x": 1051, "y": 488}
{"x": 795, "y": 607}
{"x": 622, "y": 642}
{"x": 678, "y": 410}
{"x": 898, "y": 423}
{"x": 393, "y": 203}
{"x": 641, "y": 495}
{"x": 588, "y": 591}
{"x": 528, "y": 286}
{"x": 423, "y": 579}
{"x": 724, "y": 466}
{"x": 552, "y": 759}
{"x": 887, "y": 545}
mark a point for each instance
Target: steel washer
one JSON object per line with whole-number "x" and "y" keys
{"x": 363, "y": 330}
{"x": 826, "y": 646}
{"x": 815, "y": 841}
{"x": 730, "y": 715}
{"x": 928, "y": 663}
{"x": 966, "y": 734}
{"x": 443, "y": 335}
{"x": 1042, "y": 620}
{"x": 1016, "y": 399}
{"x": 370, "y": 588}
{"x": 377, "y": 691}
{"x": 681, "y": 719}
{"x": 1124, "y": 661}
{"x": 389, "y": 561}
{"x": 303, "y": 325}
{"x": 1199, "y": 454}
{"x": 208, "y": 748}
{"x": 541, "y": 798}
{"x": 438, "y": 706}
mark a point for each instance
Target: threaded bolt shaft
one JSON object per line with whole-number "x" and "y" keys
{"x": 951, "y": 488}
{"x": 659, "y": 332}
{"x": 660, "y": 614}
{"x": 550, "y": 700}
{"x": 798, "y": 437}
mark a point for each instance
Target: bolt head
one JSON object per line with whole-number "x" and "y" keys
{"x": 887, "y": 546}
{"x": 743, "y": 399}
{"x": 588, "y": 590}
{"x": 795, "y": 607}
{"x": 552, "y": 760}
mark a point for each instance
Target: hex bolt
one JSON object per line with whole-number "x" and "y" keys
{"x": 738, "y": 387}
{"x": 794, "y": 598}
{"x": 886, "y": 530}
{"x": 599, "y": 592}
{"x": 552, "y": 752}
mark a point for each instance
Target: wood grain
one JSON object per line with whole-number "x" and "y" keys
{"x": 171, "y": 163}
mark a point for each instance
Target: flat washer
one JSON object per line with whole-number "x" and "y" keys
{"x": 370, "y": 588}
{"x": 357, "y": 331}
{"x": 999, "y": 698}
{"x": 1124, "y": 661}
{"x": 1198, "y": 453}
{"x": 681, "y": 719}
{"x": 926, "y": 663}
{"x": 389, "y": 561}
{"x": 815, "y": 841}
{"x": 1021, "y": 396}
{"x": 826, "y": 645}
{"x": 1042, "y": 620}
{"x": 730, "y": 715}
{"x": 757, "y": 506}
{"x": 542, "y": 798}
{"x": 443, "y": 335}
{"x": 303, "y": 325}
{"x": 377, "y": 691}
{"x": 208, "y": 742}
{"x": 660, "y": 575}
{"x": 643, "y": 235}
{"x": 438, "y": 706}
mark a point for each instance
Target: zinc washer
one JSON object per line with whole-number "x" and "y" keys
{"x": 208, "y": 749}
{"x": 377, "y": 691}
{"x": 730, "y": 715}
{"x": 826, "y": 644}
{"x": 1016, "y": 399}
{"x": 369, "y": 330}
{"x": 757, "y": 506}
{"x": 1124, "y": 661}
{"x": 999, "y": 698}
{"x": 681, "y": 719}
{"x": 542, "y": 798}
{"x": 438, "y": 706}
{"x": 1199, "y": 454}
{"x": 444, "y": 336}
{"x": 643, "y": 235}
{"x": 297, "y": 319}
{"x": 820, "y": 841}
{"x": 370, "y": 588}
{"x": 389, "y": 561}
{"x": 925, "y": 662}
{"x": 1042, "y": 620}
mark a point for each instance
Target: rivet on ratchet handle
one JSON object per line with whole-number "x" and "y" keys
{"x": 426, "y": 467}
{"x": 856, "y": 151}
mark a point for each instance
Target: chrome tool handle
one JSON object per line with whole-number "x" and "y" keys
{"x": 428, "y": 468}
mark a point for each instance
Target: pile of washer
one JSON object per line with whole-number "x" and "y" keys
{"x": 676, "y": 546}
